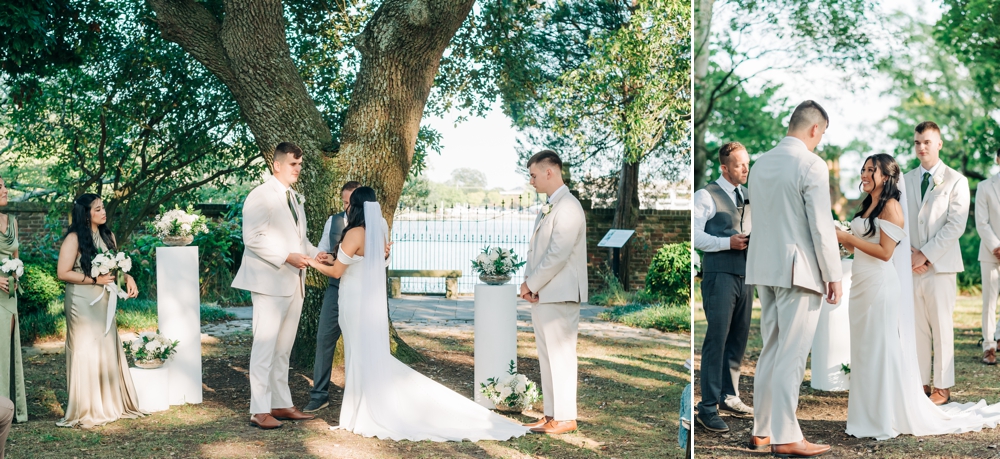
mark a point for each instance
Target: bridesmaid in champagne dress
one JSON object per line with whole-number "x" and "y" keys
{"x": 11, "y": 371}
{"x": 97, "y": 376}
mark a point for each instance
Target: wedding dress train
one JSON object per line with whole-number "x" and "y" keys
{"x": 383, "y": 397}
{"x": 886, "y": 397}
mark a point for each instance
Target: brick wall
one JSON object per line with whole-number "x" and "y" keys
{"x": 655, "y": 229}
{"x": 31, "y": 218}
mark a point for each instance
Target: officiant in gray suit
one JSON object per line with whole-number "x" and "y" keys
{"x": 328, "y": 331}
{"x": 721, "y": 229}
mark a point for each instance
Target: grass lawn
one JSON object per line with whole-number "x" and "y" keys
{"x": 823, "y": 415}
{"x": 628, "y": 407}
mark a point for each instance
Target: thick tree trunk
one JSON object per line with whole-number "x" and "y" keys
{"x": 247, "y": 50}
{"x": 627, "y": 214}
{"x": 702, "y": 35}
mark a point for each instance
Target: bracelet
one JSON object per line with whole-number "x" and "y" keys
{"x": 93, "y": 279}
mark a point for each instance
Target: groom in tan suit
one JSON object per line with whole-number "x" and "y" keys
{"x": 988, "y": 227}
{"x": 274, "y": 260}
{"x": 556, "y": 283}
{"x": 793, "y": 260}
{"x": 937, "y": 198}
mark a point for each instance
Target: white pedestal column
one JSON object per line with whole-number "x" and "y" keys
{"x": 179, "y": 306}
{"x": 832, "y": 342}
{"x": 152, "y": 387}
{"x": 495, "y": 339}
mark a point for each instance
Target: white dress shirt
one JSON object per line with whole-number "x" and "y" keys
{"x": 704, "y": 210}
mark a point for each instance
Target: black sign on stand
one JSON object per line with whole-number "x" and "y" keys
{"x": 616, "y": 239}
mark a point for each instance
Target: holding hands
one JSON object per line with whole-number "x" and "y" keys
{"x": 919, "y": 262}
{"x": 298, "y": 260}
{"x": 527, "y": 295}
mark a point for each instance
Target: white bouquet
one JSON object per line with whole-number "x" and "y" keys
{"x": 845, "y": 226}
{"x": 14, "y": 269}
{"x": 180, "y": 223}
{"x": 494, "y": 261}
{"x": 116, "y": 264}
{"x": 150, "y": 349}
{"x": 511, "y": 392}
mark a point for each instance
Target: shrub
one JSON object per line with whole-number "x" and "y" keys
{"x": 613, "y": 293}
{"x": 669, "y": 276}
{"x": 40, "y": 289}
{"x": 49, "y": 323}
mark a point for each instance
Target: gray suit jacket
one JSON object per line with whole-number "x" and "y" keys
{"x": 793, "y": 240}
{"x": 337, "y": 224}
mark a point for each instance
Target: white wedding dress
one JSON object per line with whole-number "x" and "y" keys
{"x": 886, "y": 397}
{"x": 383, "y": 397}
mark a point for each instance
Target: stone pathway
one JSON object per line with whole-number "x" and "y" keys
{"x": 435, "y": 314}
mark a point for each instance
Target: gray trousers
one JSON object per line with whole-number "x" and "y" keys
{"x": 728, "y": 304}
{"x": 327, "y": 334}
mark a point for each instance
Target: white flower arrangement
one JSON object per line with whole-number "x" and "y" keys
{"x": 112, "y": 263}
{"x": 512, "y": 391}
{"x": 180, "y": 223}
{"x": 844, "y": 225}
{"x": 149, "y": 347}
{"x": 14, "y": 269}
{"x": 546, "y": 209}
{"x": 494, "y": 261}
{"x": 938, "y": 180}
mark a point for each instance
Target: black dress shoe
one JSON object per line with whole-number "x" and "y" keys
{"x": 712, "y": 421}
{"x": 315, "y": 405}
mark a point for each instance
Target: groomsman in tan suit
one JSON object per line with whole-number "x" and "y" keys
{"x": 556, "y": 284}
{"x": 938, "y": 204}
{"x": 988, "y": 226}
{"x": 793, "y": 260}
{"x": 274, "y": 271}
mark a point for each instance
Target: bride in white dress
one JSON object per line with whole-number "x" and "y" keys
{"x": 886, "y": 397}
{"x": 383, "y": 397}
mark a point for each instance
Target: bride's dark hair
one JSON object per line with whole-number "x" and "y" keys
{"x": 81, "y": 226}
{"x": 356, "y": 214}
{"x": 890, "y": 189}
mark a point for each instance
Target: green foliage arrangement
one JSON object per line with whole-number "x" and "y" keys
{"x": 669, "y": 276}
{"x": 40, "y": 289}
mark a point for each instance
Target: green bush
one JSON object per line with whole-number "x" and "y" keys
{"x": 49, "y": 323}
{"x": 659, "y": 316}
{"x": 970, "y": 281}
{"x": 669, "y": 276}
{"x": 40, "y": 289}
{"x": 613, "y": 293}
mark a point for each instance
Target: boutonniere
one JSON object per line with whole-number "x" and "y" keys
{"x": 938, "y": 180}
{"x": 546, "y": 209}
{"x": 298, "y": 197}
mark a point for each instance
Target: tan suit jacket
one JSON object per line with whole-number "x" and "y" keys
{"x": 793, "y": 242}
{"x": 988, "y": 218}
{"x": 270, "y": 234}
{"x": 557, "y": 254}
{"x": 939, "y": 220}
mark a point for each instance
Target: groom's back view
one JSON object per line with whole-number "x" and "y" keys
{"x": 793, "y": 259}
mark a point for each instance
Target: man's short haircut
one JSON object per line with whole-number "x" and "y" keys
{"x": 927, "y": 125}
{"x": 729, "y": 149}
{"x": 546, "y": 157}
{"x": 806, "y": 115}
{"x": 286, "y": 148}
{"x": 350, "y": 186}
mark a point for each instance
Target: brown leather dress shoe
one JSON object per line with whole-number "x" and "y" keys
{"x": 800, "y": 449}
{"x": 759, "y": 443}
{"x": 264, "y": 421}
{"x": 554, "y": 427}
{"x": 941, "y": 396}
{"x": 291, "y": 414}
{"x": 990, "y": 357}
{"x": 539, "y": 422}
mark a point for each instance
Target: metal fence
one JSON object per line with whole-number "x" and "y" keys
{"x": 451, "y": 237}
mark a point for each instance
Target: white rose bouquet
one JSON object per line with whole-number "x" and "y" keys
{"x": 149, "y": 348}
{"x": 180, "y": 223}
{"x": 116, "y": 264}
{"x": 14, "y": 269}
{"x": 494, "y": 261}
{"x": 511, "y": 392}
{"x": 845, "y": 226}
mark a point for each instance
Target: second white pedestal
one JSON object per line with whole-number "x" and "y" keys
{"x": 495, "y": 335}
{"x": 152, "y": 388}
{"x": 179, "y": 310}
{"x": 832, "y": 342}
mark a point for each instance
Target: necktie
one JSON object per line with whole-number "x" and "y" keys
{"x": 923, "y": 184}
{"x": 291, "y": 207}
{"x": 740, "y": 205}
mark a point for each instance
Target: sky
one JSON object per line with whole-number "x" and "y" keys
{"x": 854, "y": 113}
{"x": 485, "y": 144}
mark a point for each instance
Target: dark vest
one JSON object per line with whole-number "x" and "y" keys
{"x": 336, "y": 230}
{"x": 726, "y": 222}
